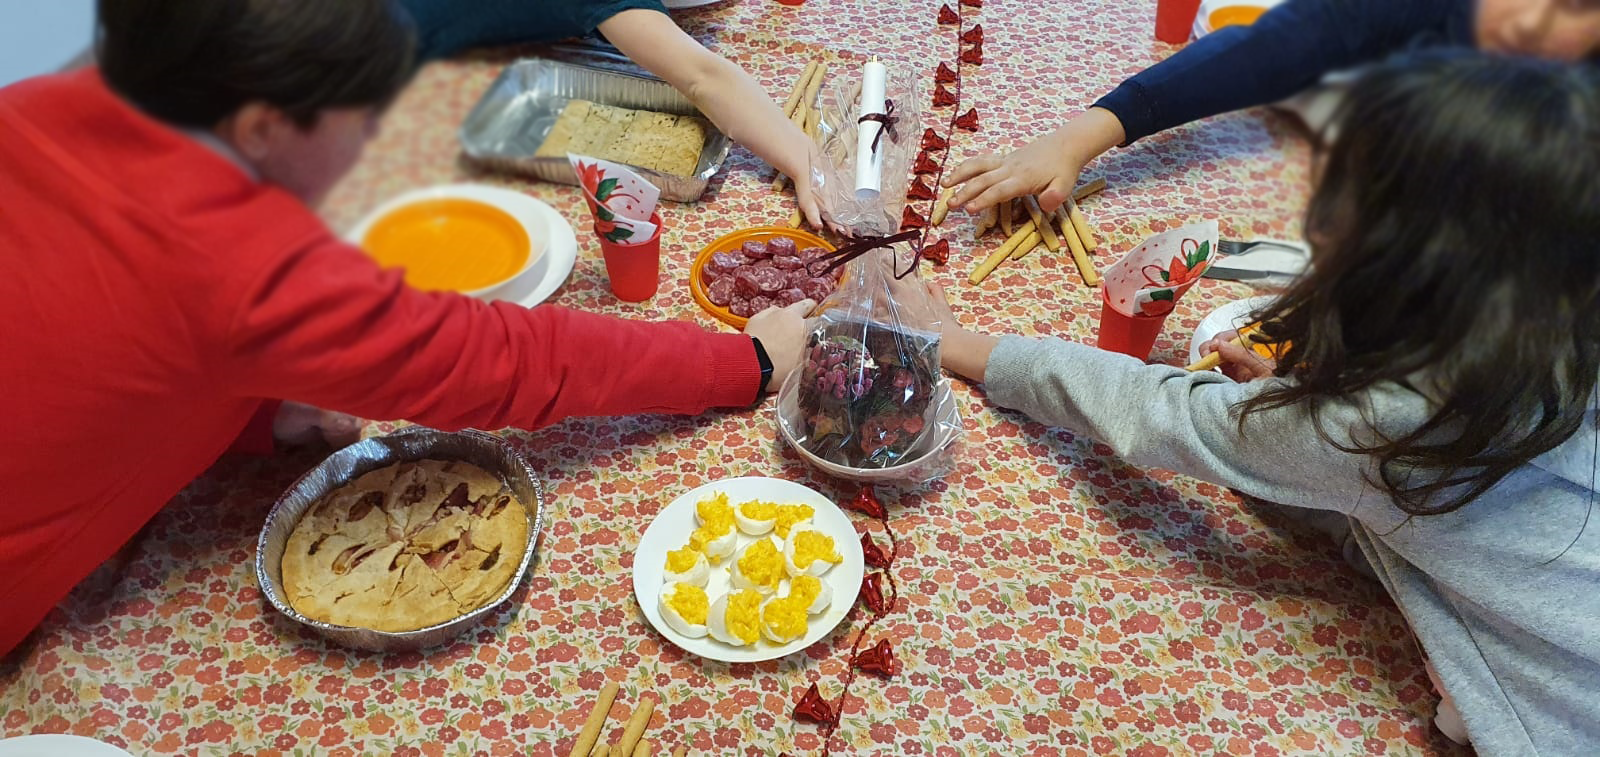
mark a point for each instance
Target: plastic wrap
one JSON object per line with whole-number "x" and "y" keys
{"x": 867, "y": 214}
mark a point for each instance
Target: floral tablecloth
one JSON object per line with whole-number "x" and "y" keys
{"x": 1055, "y": 600}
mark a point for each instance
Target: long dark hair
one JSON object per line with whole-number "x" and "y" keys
{"x": 1456, "y": 230}
{"x": 193, "y": 63}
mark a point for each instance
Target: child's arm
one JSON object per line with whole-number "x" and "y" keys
{"x": 734, "y": 101}
{"x": 325, "y": 326}
{"x": 1285, "y": 51}
{"x": 1165, "y": 417}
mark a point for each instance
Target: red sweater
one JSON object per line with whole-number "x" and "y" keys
{"x": 152, "y": 295}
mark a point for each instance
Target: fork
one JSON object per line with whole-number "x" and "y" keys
{"x": 1227, "y": 247}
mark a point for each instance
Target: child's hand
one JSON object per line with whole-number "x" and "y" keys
{"x": 782, "y": 332}
{"x": 298, "y": 424}
{"x": 1048, "y": 167}
{"x": 1241, "y": 364}
{"x": 962, "y": 352}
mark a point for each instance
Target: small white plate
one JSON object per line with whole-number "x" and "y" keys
{"x": 672, "y": 526}
{"x": 1234, "y": 315}
{"x": 546, "y": 228}
{"x": 57, "y": 745}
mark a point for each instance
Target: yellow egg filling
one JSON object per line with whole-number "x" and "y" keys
{"x": 743, "y": 617}
{"x": 785, "y": 618}
{"x": 682, "y": 560}
{"x": 690, "y": 602}
{"x": 788, "y": 515}
{"x": 805, "y": 588}
{"x": 715, "y": 513}
{"x": 762, "y": 565}
{"x": 811, "y": 546}
{"x": 760, "y": 511}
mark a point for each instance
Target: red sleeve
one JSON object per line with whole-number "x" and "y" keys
{"x": 323, "y": 325}
{"x": 256, "y": 438}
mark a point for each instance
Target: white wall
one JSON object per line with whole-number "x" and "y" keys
{"x": 38, "y": 36}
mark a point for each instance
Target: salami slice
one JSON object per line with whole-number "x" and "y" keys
{"x": 817, "y": 289}
{"x": 790, "y": 296}
{"x": 760, "y": 279}
{"x": 741, "y": 307}
{"x": 756, "y": 250}
{"x": 724, "y": 263}
{"x": 797, "y": 277}
{"x": 787, "y": 262}
{"x": 721, "y": 291}
{"x": 781, "y": 247}
{"x": 760, "y": 303}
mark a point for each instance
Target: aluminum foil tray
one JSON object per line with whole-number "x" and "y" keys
{"x": 483, "y": 450}
{"x": 507, "y": 126}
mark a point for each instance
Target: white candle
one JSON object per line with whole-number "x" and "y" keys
{"x": 869, "y": 162}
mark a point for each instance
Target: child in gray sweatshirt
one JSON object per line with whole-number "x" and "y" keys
{"x": 1437, "y": 389}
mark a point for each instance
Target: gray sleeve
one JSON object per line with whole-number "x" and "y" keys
{"x": 1166, "y": 417}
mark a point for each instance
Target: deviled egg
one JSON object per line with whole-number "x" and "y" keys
{"x": 759, "y": 566}
{"x": 783, "y": 619}
{"x": 715, "y": 544}
{"x": 735, "y": 618}
{"x": 685, "y": 607}
{"x": 756, "y": 517}
{"x": 715, "y": 513}
{"x": 687, "y": 565}
{"x": 808, "y": 551}
{"x": 812, "y": 590}
{"x": 790, "y": 516}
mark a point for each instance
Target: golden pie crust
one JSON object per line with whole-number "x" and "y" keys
{"x": 406, "y": 547}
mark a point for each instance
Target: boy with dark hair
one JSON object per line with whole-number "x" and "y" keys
{"x": 162, "y": 279}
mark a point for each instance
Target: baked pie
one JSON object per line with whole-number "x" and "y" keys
{"x": 663, "y": 142}
{"x": 406, "y": 547}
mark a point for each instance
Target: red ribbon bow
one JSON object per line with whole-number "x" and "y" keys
{"x": 861, "y": 246}
{"x": 887, "y": 118}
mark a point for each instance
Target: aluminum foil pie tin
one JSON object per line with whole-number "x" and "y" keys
{"x": 483, "y": 450}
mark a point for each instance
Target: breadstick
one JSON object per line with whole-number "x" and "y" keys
{"x": 1003, "y": 253}
{"x": 596, "y": 721}
{"x": 1007, "y": 210}
{"x": 1030, "y": 204}
{"x": 681, "y": 751}
{"x": 636, "y": 726}
{"x": 1081, "y": 225}
{"x": 810, "y": 101}
{"x": 601, "y": 750}
{"x": 941, "y": 208}
{"x": 1091, "y": 277}
{"x": 1029, "y": 243}
{"x": 799, "y": 89}
{"x": 1246, "y": 337}
{"x": 804, "y": 114}
{"x": 1089, "y": 188}
{"x": 644, "y": 748}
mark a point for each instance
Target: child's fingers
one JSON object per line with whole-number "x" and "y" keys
{"x": 1242, "y": 363}
{"x": 970, "y": 168}
{"x": 1002, "y": 187}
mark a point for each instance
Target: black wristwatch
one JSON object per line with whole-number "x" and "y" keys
{"x": 766, "y": 368}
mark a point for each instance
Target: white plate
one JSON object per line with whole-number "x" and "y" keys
{"x": 1234, "y": 315}
{"x": 671, "y": 530}
{"x": 679, "y": 4}
{"x": 546, "y": 228}
{"x": 57, "y": 745}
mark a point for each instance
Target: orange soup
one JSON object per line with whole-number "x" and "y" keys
{"x": 450, "y": 244}
{"x": 1235, "y": 15}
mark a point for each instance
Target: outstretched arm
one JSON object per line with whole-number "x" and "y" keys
{"x": 721, "y": 89}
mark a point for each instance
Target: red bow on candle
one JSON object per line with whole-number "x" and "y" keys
{"x": 973, "y": 35}
{"x": 945, "y": 74}
{"x": 925, "y": 164}
{"x": 866, "y": 502}
{"x": 814, "y": 708}
{"x": 947, "y": 15}
{"x": 932, "y": 141}
{"x": 872, "y": 593}
{"x": 942, "y": 97}
{"x": 920, "y": 190}
{"x": 871, "y": 553}
{"x": 938, "y": 252}
{"x": 878, "y": 660}
{"x": 911, "y": 219}
{"x": 968, "y": 120}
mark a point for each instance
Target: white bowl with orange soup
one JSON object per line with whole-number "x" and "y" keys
{"x": 466, "y": 238}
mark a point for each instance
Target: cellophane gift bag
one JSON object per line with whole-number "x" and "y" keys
{"x": 868, "y": 395}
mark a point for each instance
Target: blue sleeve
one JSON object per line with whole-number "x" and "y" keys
{"x": 1287, "y": 50}
{"x": 447, "y": 27}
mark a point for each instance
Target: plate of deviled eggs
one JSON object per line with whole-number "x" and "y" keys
{"x": 748, "y": 569}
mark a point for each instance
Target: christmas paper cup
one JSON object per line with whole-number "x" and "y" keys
{"x": 634, "y": 269}
{"x": 1128, "y": 334}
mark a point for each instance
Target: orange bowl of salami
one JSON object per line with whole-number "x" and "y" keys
{"x": 748, "y": 271}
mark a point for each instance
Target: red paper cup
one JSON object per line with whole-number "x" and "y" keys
{"x": 1175, "y": 20}
{"x": 634, "y": 269}
{"x": 1128, "y": 334}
